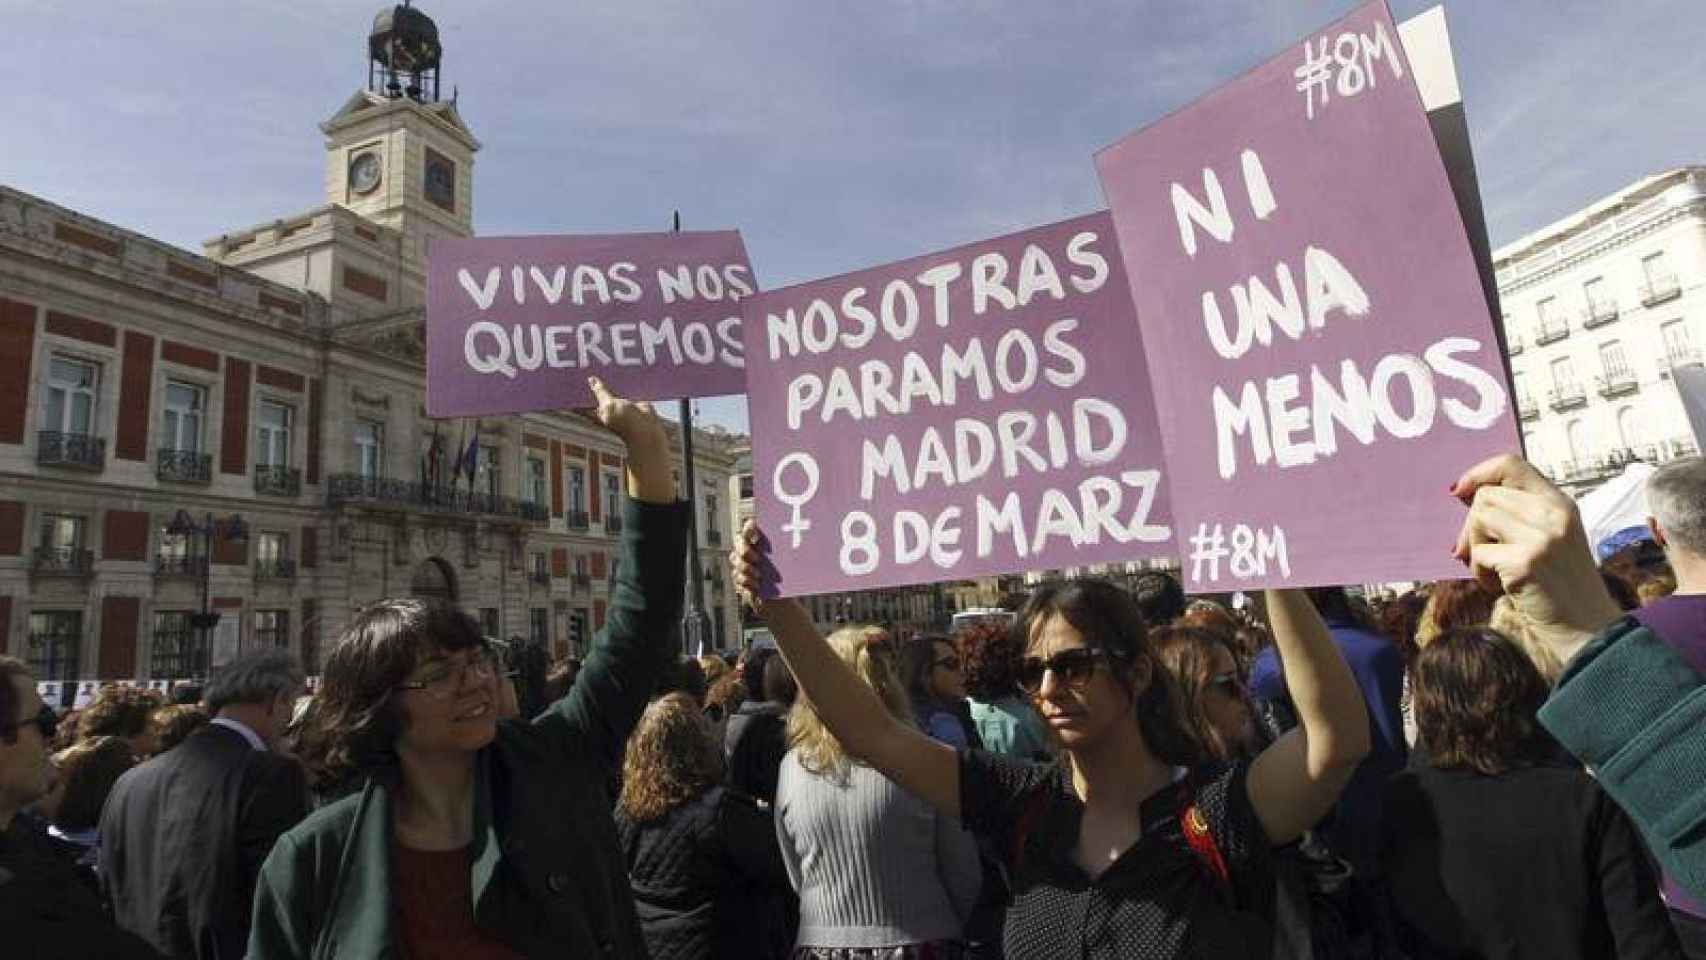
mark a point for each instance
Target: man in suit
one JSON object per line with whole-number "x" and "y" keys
{"x": 183, "y": 835}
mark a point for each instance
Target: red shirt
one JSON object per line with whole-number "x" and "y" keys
{"x": 435, "y": 907}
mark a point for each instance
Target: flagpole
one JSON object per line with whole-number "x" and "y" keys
{"x": 695, "y": 623}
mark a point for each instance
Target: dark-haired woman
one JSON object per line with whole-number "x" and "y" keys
{"x": 1128, "y": 847}
{"x": 934, "y": 675}
{"x": 703, "y": 859}
{"x": 1494, "y": 846}
{"x": 1215, "y": 703}
{"x": 470, "y": 838}
{"x": 1006, "y": 722}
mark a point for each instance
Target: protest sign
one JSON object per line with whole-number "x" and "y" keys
{"x": 978, "y": 411}
{"x": 519, "y": 323}
{"x": 1321, "y": 350}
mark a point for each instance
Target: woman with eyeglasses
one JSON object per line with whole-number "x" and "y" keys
{"x": 471, "y": 838}
{"x": 935, "y": 680}
{"x": 1130, "y": 845}
{"x": 1213, "y": 698}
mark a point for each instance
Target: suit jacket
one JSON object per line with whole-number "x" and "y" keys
{"x": 47, "y": 912}
{"x": 183, "y": 837}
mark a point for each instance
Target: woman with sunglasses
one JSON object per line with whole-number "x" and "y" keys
{"x": 936, "y": 682}
{"x": 1128, "y": 846}
{"x": 1213, "y": 697}
{"x": 471, "y": 838}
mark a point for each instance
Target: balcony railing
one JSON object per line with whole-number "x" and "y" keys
{"x": 1660, "y": 289}
{"x": 1526, "y": 408}
{"x": 1617, "y": 383}
{"x": 578, "y": 520}
{"x": 1682, "y": 356}
{"x": 1551, "y": 332}
{"x": 581, "y": 581}
{"x": 539, "y": 575}
{"x": 534, "y": 511}
{"x": 79, "y": 450}
{"x": 278, "y": 481}
{"x": 1566, "y": 397}
{"x": 406, "y": 495}
{"x": 183, "y": 466}
{"x": 62, "y": 562}
{"x": 612, "y": 524}
{"x": 713, "y": 538}
{"x": 277, "y": 568}
{"x": 1599, "y": 313}
{"x": 170, "y": 566}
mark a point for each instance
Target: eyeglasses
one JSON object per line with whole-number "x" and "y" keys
{"x": 444, "y": 678}
{"x": 45, "y": 720}
{"x": 1071, "y": 667}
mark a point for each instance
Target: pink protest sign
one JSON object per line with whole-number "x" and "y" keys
{"x": 979, "y": 411}
{"x": 1323, "y": 359}
{"x": 519, "y": 323}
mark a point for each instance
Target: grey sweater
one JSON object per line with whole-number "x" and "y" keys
{"x": 874, "y": 865}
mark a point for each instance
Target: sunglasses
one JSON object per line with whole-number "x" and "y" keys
{"x": 1070, "y": 667}
{"x": 1227, "y": 683}
{"x": 45, "y": 720}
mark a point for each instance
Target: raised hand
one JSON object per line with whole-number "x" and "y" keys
{"x": 1524, "y": 537}
{"x": 649, "y": 477}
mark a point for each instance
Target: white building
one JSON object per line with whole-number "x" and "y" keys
{"x": 278, "y": 379}
{"x": 1599, "y": 307}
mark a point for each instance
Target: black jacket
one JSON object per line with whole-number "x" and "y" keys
{"x": 47, "y": 912}
{"x": 754, "y": 744}
{"x": 547, "y": 876}
{"x": 183, "y": 837}
{"x": 708, "y": 880}
{"x": 1535, "y": 862}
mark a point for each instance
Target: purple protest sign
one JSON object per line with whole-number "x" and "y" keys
{"x": 978, "y": 411}
{"x": 519, "y": 323}
{"x": 1323, "y": 358}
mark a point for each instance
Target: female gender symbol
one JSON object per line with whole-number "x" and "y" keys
{"x": 798, "y": 524}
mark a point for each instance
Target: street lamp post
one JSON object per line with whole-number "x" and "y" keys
{"x": 228, "y": 528}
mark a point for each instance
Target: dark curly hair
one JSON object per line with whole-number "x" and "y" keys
{"x": 119, "y": 711}
{"x": 351, "y": 730}
{"x": 89, "y": 771}
{"x": 1110, "y": 620}
{"x": 669, "y": 760}
{"x": 992, "y": 650}
{"x": 1477, "y": 698}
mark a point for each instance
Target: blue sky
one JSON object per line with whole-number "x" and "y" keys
{"x": 834, "y": 136}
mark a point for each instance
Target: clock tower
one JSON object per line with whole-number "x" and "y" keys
{"x": 396, "y": 153}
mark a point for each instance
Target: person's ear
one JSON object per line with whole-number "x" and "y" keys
{"x": 1658, "y": 534}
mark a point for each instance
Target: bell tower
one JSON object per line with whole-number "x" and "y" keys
{"x": 396, "y": 153}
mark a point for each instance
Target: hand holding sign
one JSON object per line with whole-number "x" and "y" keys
{"x": 649, "y": 477}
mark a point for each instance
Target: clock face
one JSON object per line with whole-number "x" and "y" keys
{"x": 364, "y": 172}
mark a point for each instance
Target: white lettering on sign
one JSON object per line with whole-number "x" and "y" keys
{"x": 1344, "y": 64}
{"x": 1250, "y": 552}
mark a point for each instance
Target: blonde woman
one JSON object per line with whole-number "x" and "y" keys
{"x": 879, "y": 871}
{"x": 702, "y": 860}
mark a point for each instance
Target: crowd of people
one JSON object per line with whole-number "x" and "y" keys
{"x": 1510, "y": 765}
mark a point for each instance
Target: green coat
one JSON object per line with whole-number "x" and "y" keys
{"x": 548, "y": 876}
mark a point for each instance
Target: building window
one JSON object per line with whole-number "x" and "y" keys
{"x": 56, "y": 638}
{"x": 180, "y": 650}
{"x": 186, "y": 407}
{"x": 539, "y": 626}
{"x": 486, "y": 473}
{"x": 1594, "y": 291}
{"x": 1629, "y": 428}
{"x": 1612, "y": 360}
{"x": 1547, "y": 309}
{"x": 61, "y": 544}
{"x": 580, "y": 565}
{"x": 272, "y": 628}
{"x": 272, "y": 555}
{"x": 578, "y": 632}
{"x": 612, "y": 495}
{"x": 489, "y": 621}
{"x": 1679, "y": 347}
{"x": 69, "y": 404}
{"x": 369, "y": 448}
{"x": 536, "y": 481}
{"x": 1655, "y": 270}
{"x": 272, "y": 434}
{"x": 711, "y": 513}
{"x": 1563, "y": 375}
{"x": 577, "y": 490}
{"x": 1580, "y": 449}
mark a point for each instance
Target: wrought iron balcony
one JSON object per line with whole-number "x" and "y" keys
{"x": 183, "y": 466}
{"x": 62, "y": 562}
{"x": 1526, "y": 408}
{"x": 1566, "y": 397}
{"x": 1599, "y": 313}
{"x": 166, "y": 565}
{"x": 278, "y": 481}
{"x": 581, "y": 581}
{"x": 534, "y": 511}
{"x": 1660, "y": 289}
{"x": 1617, "y": 383}
{"x": 578, "y": 520}
{"x": 539, "y": 575}
{"x": 277, "y": 568}
{"x": 1551, "y": 332}
{"x": 344, "y": 488}
{"x": 612, "y": 524}
{"x": 79, "y": 450}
